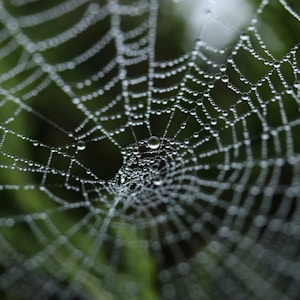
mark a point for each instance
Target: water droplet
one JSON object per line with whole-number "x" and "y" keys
{"x": 277, "y": 64}
{"x": 223, "y": 68}
{"x": 81, "y": 145}
{"x": 245, "y": 97}
{"x": 76, "y": 101}
{"x": 153, "y": 142}
{"x": 213, "y": 121}
{"x": 297, "y": 84}
{"x": 225, "y": 78}
{"x": 244, "y": 37}
{"x": 10, "y": 222}
{"x": 157, "y": 181}
{"x": 121, "y": 180}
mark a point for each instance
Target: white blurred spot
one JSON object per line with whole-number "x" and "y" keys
{"x": 217, "y": 22}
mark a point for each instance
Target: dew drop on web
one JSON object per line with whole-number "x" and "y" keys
{"x": 81, "y": 145}
{"x": 153, "y": 142}
{"x": 157, "y": 181}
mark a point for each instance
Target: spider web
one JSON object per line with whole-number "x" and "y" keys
{"x": 130, "y": 171}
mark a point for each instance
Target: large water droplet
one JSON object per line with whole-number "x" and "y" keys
{"x": 153, "y": 142}
{"x": 81, "y": 145}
